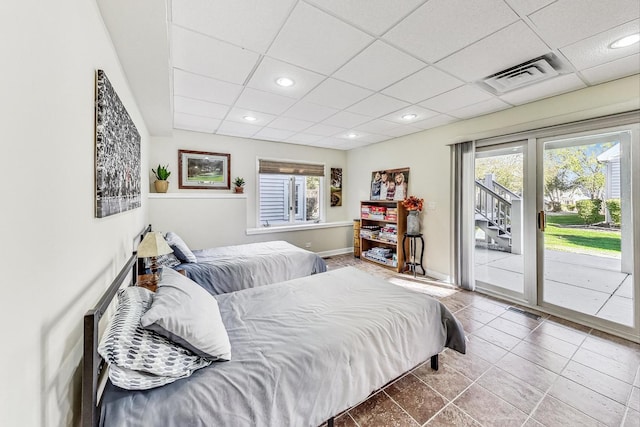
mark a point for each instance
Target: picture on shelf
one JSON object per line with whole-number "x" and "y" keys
{"x": 389, "y": 184}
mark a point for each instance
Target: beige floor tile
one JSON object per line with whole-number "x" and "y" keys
{"x": 597, "y": 381}
{"x": 564, "y": 333}
{"x": 480, "y": 347}
{"x": 588, "y": 401}
{"x": 606, "y": 364}
{"x": 416, "y": 398}
{"x": 631, "y": 419}
{"x": 538, "y": 355}
{"x": 509, "y": 327}
{"x": 527, "y": 371}
{"x": 512, "y": 389}
{"x": 446, "y": 380}
{"x": 380, "y": 411}
{"x": 450, "y": 416}
{"x": 551, "y": 343}
{"x": 476, "y": 400}
{"x": 497, "y": 337}
{"x": 553, "y": 413}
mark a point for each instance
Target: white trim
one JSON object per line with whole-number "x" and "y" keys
{"x": 335, "y": 252}
{"x": 196, "y": 196}
{"x": 297, "y": 227}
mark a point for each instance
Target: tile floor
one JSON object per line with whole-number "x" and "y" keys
{"x": 518, "y": 371}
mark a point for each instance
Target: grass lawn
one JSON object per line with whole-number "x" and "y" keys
{"x": 579, "y": 240}
{"x": 206, "y": 178}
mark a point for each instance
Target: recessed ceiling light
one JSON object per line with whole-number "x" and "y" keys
{"x": 250, "y": 118}
{"x": 352, "y": 135}
{"x": 284, "y": 82}
{"x": 409, "y": 116}
{"x": 625, "y": 41}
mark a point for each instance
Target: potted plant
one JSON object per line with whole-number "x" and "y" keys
{"x": 414, "y": 206}
{"x": 239, "y": 183}
{"x": 161, "y": 183}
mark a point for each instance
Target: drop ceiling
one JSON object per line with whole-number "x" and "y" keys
{"x": 366, "y": 71}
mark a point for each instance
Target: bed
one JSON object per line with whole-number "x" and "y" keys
{"x": 303, "y": 351}
{"x": 231, "y": 268}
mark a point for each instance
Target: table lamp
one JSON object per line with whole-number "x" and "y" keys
{"x": 152, "y": 246}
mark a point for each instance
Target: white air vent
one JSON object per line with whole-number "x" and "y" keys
{"x": 521, "y": 75}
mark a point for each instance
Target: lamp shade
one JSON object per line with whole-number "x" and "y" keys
{"x": 152, "y": 245}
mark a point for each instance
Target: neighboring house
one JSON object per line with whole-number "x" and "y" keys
{"x": 611, "y": 161}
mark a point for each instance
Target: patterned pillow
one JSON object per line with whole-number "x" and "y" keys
{"x": 180, "y": 248}
{"x": 126, "y": 344}
{"x": 168, "y": 260}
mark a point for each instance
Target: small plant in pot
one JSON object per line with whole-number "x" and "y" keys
{"x": 162, "y": 174}
{"x": 239, "y": 183}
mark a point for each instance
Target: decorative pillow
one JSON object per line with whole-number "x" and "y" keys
{"x": 127, "y": 345}
{"x": 168, "y": 260}
{"x": 185, "y": 313}
{"x": 180, "y": 248}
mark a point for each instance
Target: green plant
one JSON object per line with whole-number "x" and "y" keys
{"x": 613, "y": 205}
{"x": 238, "y": 182}
{"x": 589, "y": 210}
{"x": 161, "y": 173}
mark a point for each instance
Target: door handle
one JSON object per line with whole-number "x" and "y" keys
{"x": 542, "y": 221}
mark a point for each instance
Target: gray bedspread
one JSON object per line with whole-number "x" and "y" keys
{"x": 302, "y": 352}
{"x": 232, "y": 268}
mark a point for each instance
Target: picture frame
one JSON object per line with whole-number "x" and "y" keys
{"x": 336, "y": 187}
{"x": 204, "y": 170}
{"x": 389, "y": 184}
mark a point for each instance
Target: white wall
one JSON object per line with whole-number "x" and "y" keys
{"x": 428, "y": 154}
{"x": 58, "y": 258}
{"x": 212, "y": 222}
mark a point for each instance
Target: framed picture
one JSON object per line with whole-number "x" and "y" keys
{"x": 117, "y": 153}
{"x": 390, "y": 184}
{"x": 200, "y": 169}
{"x": 336, "y": 186}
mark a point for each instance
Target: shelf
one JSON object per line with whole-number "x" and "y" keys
{"x": 384, "y": 264}
{"x": 379, "y": 241}
{"x": 380, "y": 220}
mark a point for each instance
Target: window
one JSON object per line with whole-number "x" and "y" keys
{"x": 289, "y": 192}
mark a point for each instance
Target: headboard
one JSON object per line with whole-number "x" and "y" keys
{"x": 92, "y": 364}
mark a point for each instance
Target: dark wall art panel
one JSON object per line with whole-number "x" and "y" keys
{"x": 117, "y": 153}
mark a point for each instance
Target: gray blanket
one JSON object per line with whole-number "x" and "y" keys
{"x": 232, "y": 268}
{"x": 302, "y": 351}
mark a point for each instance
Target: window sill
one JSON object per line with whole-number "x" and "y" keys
{"x": 298, "y": 227}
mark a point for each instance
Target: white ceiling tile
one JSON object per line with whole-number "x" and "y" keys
{"x": 504, "y": 49}
{"x": 199, "y": 108}
{"x": 595, "y": 50}
{"x": 613, "y": 70}
{"x": 402, "y": 131}
{"x": 544, "y": 89}
{"x": 378, "y": 126}
{"x": 337, "y": 94}
{"x": 251, "y": 24}
{"x": 347, "y": 119}
{"x": 374, "y": 16}
{"x": 203, "y": 55}
{"x": 456, "y": 99}
{"x": 205, "y": 88}
{"x": 567, "y": 21}
{"x": 441, "y": 27}
{"x": 378, "y": 66}
{"x": 273, "y": 134}
{"x": 238, "y": 115}
{"x": 373, "y": 138}
{"x": 422, "y": 85}
{"x": 378, "y": 105}
{"x": 311, "y": 112}
{"x": 433, "y": 122}
{"x": 348, "y": 135}
{"x": 525, "y": 7}
{"x": 287, "y": 123}
{"x": 269, "y": 70}
{"x": 324, "y": 130}
{"x": 479, "y": 109}
{"x": 421, "y": 114}
{"x": 265, "y": 102}
{"x": 237, "y": 129}
{"x": 317, "y": 41}
{"x": 195, "y": 123}
{"x": 304, "y": 138}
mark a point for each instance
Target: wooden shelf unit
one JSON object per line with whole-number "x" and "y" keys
{"x": 400, "y": 220}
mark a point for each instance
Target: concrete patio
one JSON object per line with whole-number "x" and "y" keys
{"x": 586, "y": 283}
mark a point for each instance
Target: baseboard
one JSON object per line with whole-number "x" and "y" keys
{"x": 335, "y": 252}
{"x": 438, "y": 276}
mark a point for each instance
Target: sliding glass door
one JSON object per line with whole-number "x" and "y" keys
{"x": 586, "y": 226}
{"x": 556, "y": 225}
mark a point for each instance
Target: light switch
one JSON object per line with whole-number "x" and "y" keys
{"x": 431, "y": 206}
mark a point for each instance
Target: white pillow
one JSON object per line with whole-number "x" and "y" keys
{"x": 185, "y": 313}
